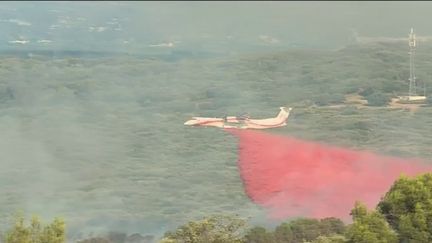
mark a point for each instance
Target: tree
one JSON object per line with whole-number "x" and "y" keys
{"x": 259, "y": 234}
{"x": 407, "y": 206}
{"x": 366, "y": 92}
{"x": 377, "y": 99}
{"x": 305, "y": 229}
{"x": 369, "y": 226}
{"x": 35, "y": 232}
{"x": 20, "y": 233}
{"x": 330, "y": 239}
{"x": 298, "y": 230}
{"x": 331, "y": 226}
{"x": 213, "y": 229}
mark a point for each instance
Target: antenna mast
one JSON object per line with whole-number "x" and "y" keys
{"x": 412, "y": 79}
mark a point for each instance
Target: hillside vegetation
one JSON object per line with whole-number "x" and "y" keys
{"x": 101, "y": 141}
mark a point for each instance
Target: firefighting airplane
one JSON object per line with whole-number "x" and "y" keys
{"x": 243, "y": 122}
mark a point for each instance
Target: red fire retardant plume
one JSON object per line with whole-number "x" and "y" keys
{"x": 295, "y": 178}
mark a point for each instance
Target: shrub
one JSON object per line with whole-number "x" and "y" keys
{"x": 213, "y": 229}
{"x": 377, "y": 99}
{"x": 35, "y": 232}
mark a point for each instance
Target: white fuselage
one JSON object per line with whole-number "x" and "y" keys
{"x": 242, "y": 123}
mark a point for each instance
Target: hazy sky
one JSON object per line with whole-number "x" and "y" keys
{"x": 213, "y": 25}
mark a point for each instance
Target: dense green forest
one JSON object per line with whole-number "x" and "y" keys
{"x": 101, "y": 141}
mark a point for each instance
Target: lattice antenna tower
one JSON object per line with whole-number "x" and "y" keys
{"x": 412, "y": 79}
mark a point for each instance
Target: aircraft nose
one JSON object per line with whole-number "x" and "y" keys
{"x": 190, "y": 122}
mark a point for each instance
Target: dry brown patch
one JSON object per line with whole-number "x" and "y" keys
{"x": 337, "y": 106}
{"x": 396, "y": 105}
{"x": 355, "y": 100}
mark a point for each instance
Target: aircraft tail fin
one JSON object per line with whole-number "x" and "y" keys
{"x": 284, "y": 113}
